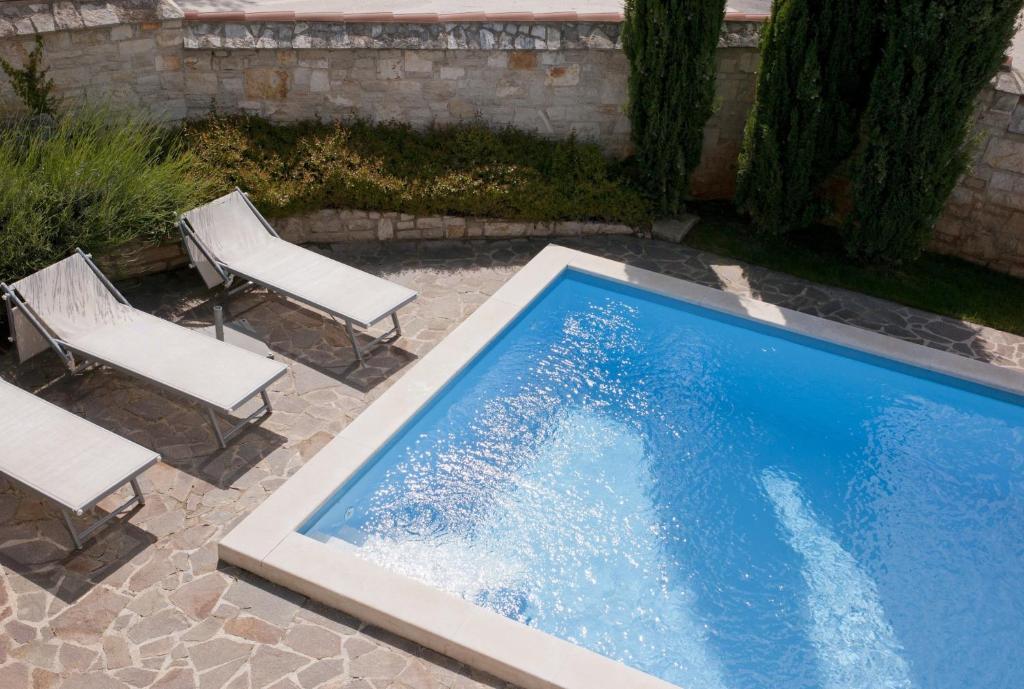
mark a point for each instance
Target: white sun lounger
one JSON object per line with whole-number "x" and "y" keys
{"x": 65, "y": 458}
{"x": 229, "y": 238}
{"x": 72, "y": 308}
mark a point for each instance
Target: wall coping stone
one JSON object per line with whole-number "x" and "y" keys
{"x": 1009, "y": 80}
{"x": 429, "y": 17}
{"x": 275, "y": 34}
{"x": 26, "y": 17}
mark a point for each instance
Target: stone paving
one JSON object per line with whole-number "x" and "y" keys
{"x": 147, "y": 604}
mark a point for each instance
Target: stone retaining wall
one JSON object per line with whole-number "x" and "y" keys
{"x": 136, "y": 259}
{"x": 331, "y": 225}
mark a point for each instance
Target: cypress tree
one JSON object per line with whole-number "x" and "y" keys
{"x": 671, "y": 49}
{"x": 816, "y": 61}
{"x": 937, "y": 56}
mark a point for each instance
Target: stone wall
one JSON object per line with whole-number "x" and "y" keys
{"x": 550, "y": 77}
{"x": 984, "y": 218}
{"x": 128, "y": 53}
{"x": 328, "y": 226}
{"x": 715, "y": 177}
{"x": 553, "y": 75}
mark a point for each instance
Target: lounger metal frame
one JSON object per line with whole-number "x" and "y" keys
{"x": 67, "y": 353}
{"x": 80, "y": 537}
{"x": 226, "y": 273}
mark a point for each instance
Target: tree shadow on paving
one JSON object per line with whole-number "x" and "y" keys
{"x": 824, "y": 301}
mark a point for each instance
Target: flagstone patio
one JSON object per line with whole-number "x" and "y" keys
{"x": 146, "y": 604}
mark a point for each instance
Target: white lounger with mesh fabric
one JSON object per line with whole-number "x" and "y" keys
{"x": 72, "y": 308}
{"x": 229, "y": 238}
{"x": 65, "y": 458}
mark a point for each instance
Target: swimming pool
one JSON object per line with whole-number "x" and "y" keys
{"x": 706, "y": 497}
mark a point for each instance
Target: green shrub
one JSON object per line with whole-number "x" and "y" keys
{"x": 816, "y": 62}
{"x": 93, "y": 179}
{"x": 467, "y": 170}
{"x": 937, "y": 56}
{"x": 671, "y": 49}
{"x": 30, "y": 82}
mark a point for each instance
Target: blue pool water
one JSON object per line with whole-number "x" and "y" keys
{"x": 717, "y": 503}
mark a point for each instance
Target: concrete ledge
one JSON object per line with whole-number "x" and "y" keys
{"x": 268, "y": 541}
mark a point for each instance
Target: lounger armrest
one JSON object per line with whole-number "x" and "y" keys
{"x": 256, "y": 212}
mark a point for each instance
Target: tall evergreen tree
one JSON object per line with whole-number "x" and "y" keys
{"x": 671, "y": 49}
{"x": 816, "y": 61}
{"x": 938, "y": 55}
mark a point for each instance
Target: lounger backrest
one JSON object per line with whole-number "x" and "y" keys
{"x": 27, "y": 340}
{"x": 229, "y": 229}
{"x": 69, "y": 299}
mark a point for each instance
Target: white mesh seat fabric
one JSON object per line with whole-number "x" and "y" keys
{"x": 79, "y": 310}
{"x": 237, "y": 238}
{"x": 335, "y": 287}
{"x": 60, "y": 455}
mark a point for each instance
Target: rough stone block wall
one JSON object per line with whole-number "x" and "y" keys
{"x": 984, "y": 218}
{"x": 553, "y": 92}
{"x": 553, "y": 77}
{"x": 127, "y": 54}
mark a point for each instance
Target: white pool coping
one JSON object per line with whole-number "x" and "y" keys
{"x": 267, "y": 543}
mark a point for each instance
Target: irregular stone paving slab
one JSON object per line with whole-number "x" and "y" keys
{"x": 147, "y": 605}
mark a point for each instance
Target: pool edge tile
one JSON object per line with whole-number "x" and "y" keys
{"x": 370, "y": 592}
{"x": 409, "y": 394}
{"x": 253, "y": 539}
{"x": 533, "y": 278}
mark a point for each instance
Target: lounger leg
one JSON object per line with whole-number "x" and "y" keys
{"x": 80, "y": 537}
{"x": 355, "y": 346}
{"x": 398, "y": 327}
{"x": 139, "y": 497}
{"x": 71, "y": 529}
{"x": 216, "y": 427}
{"x": 224, "y": 436}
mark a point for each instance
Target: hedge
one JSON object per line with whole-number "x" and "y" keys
{"x": 467, "y": 169}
